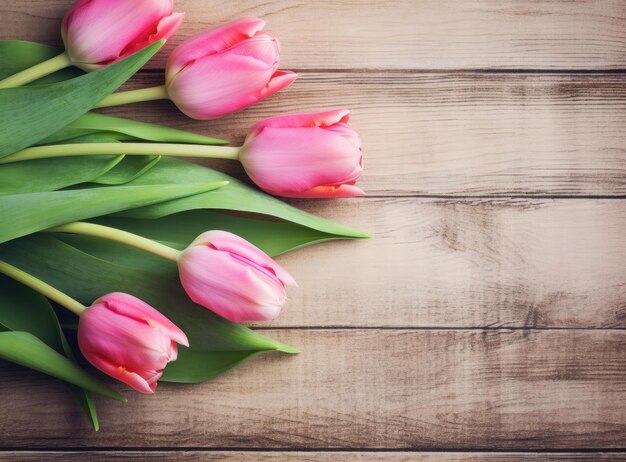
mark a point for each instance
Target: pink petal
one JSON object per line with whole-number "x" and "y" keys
{"x": 305, "y": 120}
{"x": 211, "y": 42}
{"x": 137, "y": 309}
{"x": 165, "y": 29}
{"x": 329, "y": 192}
{"x": 218, "y": 85}
{"x": 98, "y": 31}
{"x": 231, "y": 243}
{"x": 280, "y": 80}
{"x": 232, "y": 277}
{"x": 287, "y": 161}
{"x": 122, "y": 374}
{"x": 261, "y": 46}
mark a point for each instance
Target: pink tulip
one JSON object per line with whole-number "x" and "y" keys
{"x": 305, "y": 155}
{"x": 233, "y": 278}
{"x": 128, "y": 340}
{"x": 225, "y": 69}
{"x": 101, "y": 32}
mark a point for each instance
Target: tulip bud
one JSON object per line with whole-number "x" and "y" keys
{"x": 305, "y": 155}
{"x": 233, "y": 278}
{"x": 225, "y": 69}
{"x": 101, "y": 32}
{"x": 128, "y": 340}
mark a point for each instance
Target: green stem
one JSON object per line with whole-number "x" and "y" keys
{"x": 38, "y": 71}
{"x": 134, "y": 96}
{"x": 43, "y": 288}
{"x": 132, "y": 149}
{"x": 117, "y": 235}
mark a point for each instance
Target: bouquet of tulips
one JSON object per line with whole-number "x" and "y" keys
{"x": 100, "y": 216}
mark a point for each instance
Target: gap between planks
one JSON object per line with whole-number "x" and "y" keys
{"x": 356, "y": 455}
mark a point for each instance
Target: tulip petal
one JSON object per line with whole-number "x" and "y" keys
{"x": 305, "y": 120}
{"x": 218, "y": 85}
{"x": 211, "y": 42}
{"x": 165, "y": 29}
{"x": 280, "y": 80}
{"x": 138, "y": 310}
{"x": 122, "y": 374}
{"x": 98, "y": 32}
{"x": 286, "y": 161}
{"x": 262, "y": 47}
{"x": 129, "y": 340}
{"x": 233, "y": 278}
{"x": 235, "y": 245}
{"x": 343, "y": 190}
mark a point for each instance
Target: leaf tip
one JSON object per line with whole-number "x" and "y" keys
{"x": 283, "y": 348}
{"x": 220, "y": 184}
{"x": 118, "y": 397}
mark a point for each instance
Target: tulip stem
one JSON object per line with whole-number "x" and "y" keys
{"x": 134, "y": 96}
{"x": 43, "y": 288}
{"x": 38, "y": 71}
{"x": 117, "y": 235}
{"x": 133, "y": 149}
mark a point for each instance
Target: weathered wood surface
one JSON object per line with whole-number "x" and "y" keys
{"x": 366, "y": 389}
{"x": 424, "y": 34}
{"x": 300, "y": 456}
{"x": 455, "y": 134}
{"x": 470, "y": 323}
{"x": 464, "y": 263}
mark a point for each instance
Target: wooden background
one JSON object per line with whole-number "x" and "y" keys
{"x": 484, "y": 321}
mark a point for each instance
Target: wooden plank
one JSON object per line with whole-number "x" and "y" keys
{"x": 464, "y": 263}
{"x": 300, "y": 456}
{"x": 455, "y": 134}
{"x": 424, "y": 389}
{"x": 429, "y": 34}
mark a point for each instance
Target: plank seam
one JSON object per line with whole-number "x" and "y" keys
{"x": 512, "y": 71}
{"x": 494, "y": 196}
{"x": 439, "y": 328}
{"x": 320, "y": 450}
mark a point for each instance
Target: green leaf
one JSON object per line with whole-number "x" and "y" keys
{"x": 132, "y": 167}
{"x": 22, "y": 309}
{"x": 234, "y": 196}
{"x": 180, "y": 229}
{"x": 23, "y": 214}
{"x": 18, "y": 55}
{"x": 43, "y": 175}
{"x": 129, "y": 129}
{"x": 30, "y": 114}
{"x": 127, "y": 169}
{"x": 27, "y": 350}
{"x": 216, "y": 344}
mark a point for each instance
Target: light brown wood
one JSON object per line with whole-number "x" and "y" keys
{"x": 362, "y": 389}
{"x": 309, "y": 456}
{"x": 520, "y": 303}
{"x": 461, "y": 134}
{"x": 465, "y": 263}
{"x": 425, "y": 34}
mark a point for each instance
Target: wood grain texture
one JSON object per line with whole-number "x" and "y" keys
{"x": 469, "y": 324}
{"x": 464, "y": 263}
{"x": 425, "y": 34}
{"x": 454, "y": 134}
{"x": 309, "y": 456}
{"x": 438, "y": 389}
